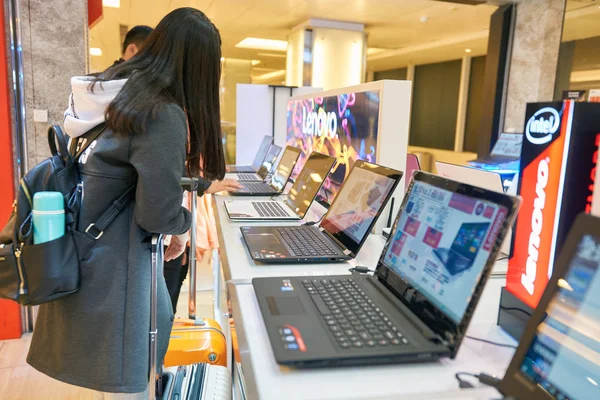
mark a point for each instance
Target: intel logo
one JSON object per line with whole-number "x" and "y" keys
{"x": 542, "y": 125}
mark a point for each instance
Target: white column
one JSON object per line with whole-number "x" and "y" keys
{"x": 463, "y": 97}
{"x": 332, "y": 54}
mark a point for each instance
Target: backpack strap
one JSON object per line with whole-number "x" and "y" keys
{"x": 96, "y": 229}
{"x": 89, "y": 136}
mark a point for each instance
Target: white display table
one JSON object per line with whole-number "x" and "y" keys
{"x": 258, "y": 376}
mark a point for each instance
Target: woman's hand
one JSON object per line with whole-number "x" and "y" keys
{"x": 226, "y": 185}
{"x": 176, "y": 247}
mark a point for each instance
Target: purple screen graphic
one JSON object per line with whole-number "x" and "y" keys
{"x": 344, "y": 126}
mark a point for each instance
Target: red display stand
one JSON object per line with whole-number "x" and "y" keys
{"x": 10, "y": 313}
{"x": 557, "y": 175}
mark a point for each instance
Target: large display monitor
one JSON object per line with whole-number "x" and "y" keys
{"x": 344, "y": 126}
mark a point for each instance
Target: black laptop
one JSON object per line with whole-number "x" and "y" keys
{"x": 295, "y": 204}
{"x": 278, "y": 180}
{"x": 266, "y": 167}
{"x": 558, "y": 357}
{"x": 265, "y": 144}
{"x": 412, "y": 308}
{"x": 344, "y": 227}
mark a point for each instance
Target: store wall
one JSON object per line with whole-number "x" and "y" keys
{"x": 474, "y": 103}
{"x": 435, "y": 105}
{"x": 54, "y": 35}
{"x": 396, "y": 74}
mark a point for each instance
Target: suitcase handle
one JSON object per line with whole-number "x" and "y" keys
{"x": 192, "y": 184}
{"x": 157, "y": 264}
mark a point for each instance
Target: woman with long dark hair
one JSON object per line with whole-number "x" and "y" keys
{"x": 98, "y": 337}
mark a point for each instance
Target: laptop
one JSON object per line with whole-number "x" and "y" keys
{"x": 506, "y": 150}
{"x": 467, "y": 242}
{"x": 412, "y": 308}
{"x": 278, "y": 180}
{"x": 263, "y": 171}
{"x": 258, "y": 158}
{"x": 343, "y": 229}
{"x": 558, "y": 356}
{"x": 298, "y": 200}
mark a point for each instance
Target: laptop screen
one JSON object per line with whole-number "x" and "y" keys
{"x": 359, "y": 202}
{"x": 262, "y": 152}
{"x": 269, "y": 160}
{"x": 309, "y": 182}
{"x": 440, "y": 244}
{"x": 285, "y": 167}
{"x": 564, "y": 356}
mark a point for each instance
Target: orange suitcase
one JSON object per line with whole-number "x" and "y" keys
{"x": 195, "y": 340}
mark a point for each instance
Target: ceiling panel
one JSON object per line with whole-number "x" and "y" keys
{"x": 389, "y": 24}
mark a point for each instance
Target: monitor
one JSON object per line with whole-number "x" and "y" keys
{"x": 307, "y": 184}
{"x": 262, "y": 152}
{"x": 359, "y": 203}
{"x": 344, "y": 126}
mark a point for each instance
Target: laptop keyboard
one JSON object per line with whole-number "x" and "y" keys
{"x": 353, "y": 319}
{"x": 258, "y": 187}
{"x": 248, "y": 177}
{"x": 307, "y": 241}
{"x": 269, "y": 209}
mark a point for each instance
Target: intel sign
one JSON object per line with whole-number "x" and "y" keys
{"x": 542, "y": 125}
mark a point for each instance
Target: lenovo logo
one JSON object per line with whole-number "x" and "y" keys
{"x": 537, "y": 220}
{"x": 542, "y": 125}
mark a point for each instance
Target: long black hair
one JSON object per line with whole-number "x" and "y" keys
{"x": 179, "y": 63}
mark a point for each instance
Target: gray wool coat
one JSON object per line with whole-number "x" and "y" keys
{"x": 98, "y": 337}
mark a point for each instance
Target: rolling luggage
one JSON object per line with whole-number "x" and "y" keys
{"x": 195, "y": 340}
{"x": 197, "y": 381}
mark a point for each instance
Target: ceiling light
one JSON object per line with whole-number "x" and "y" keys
{"x": 274, "y": 55}
{"x": 263, "y": 44}
{"x": 95, "y": 51}
{"x": 222, "y": 59}
{"x": 374, "y": 50}
{"x": 111, "y": 3}
{"x": 424, "y": 19}
{"x": 468, "y": 50}
{"x": 255, "y": 62}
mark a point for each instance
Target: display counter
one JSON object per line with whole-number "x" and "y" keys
{"x": 258, "y": 376}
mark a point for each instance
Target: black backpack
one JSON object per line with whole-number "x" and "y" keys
{"x": 36, "y": 274}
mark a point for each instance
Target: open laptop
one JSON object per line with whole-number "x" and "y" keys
{"x": 507, "y": 149}
{"x": 258, "y": 158}
{"x": 413, "y": 308}
{"x": 344, "y": 227}
{"x": 278, "y": 180}
{"x": 295, "y": 205}
{"x": 263, "y": 171}
{"x": 558, "y": 357}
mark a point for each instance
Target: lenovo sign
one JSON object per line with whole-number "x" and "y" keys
{"x": 542, "y": 125}
{"x": 555, "y": 182}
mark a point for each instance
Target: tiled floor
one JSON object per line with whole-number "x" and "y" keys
{"x": 18, "y": 381}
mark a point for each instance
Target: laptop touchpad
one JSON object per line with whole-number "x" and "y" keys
{"x": 285, "y": 305}
{"x": 262, "y": 239}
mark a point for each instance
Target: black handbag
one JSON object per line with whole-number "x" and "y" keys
{"x": 34, "y": 274}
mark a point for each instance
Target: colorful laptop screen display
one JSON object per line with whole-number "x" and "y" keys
{"x": 441, "y": 244}
{"x": 564, "y": 357}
